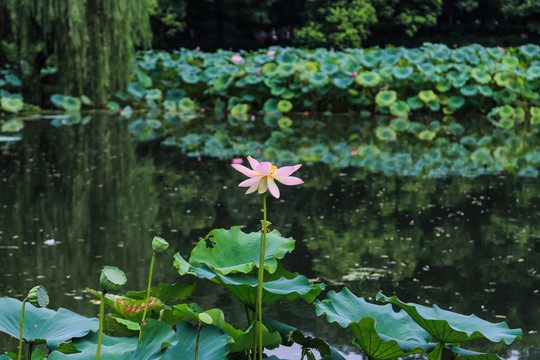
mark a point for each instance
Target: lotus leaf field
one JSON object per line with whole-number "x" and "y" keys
{"x": 430, "y": 111}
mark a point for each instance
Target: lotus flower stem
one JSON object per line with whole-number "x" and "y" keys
{"x": 260, "y": 278}
{"x": 22, "y": 322}
{"x": 148, "y": 294}
{"x": 197, "y": 344}
{"x": 101, "y": 311}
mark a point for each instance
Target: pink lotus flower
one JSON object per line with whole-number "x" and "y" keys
{"x": 258, "y": 73}
{"x": 354, "y": 152}
{"x": 500, "y": 48}
{"x": 198, "y": 48}
{"x": 237, "y": 161}
{"x": 237, "y": 59}
{"x": 271, "y": 52}
{"x": 355, "y": 74}
{"x": 264, "y": 174}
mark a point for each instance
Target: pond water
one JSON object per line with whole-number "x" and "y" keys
{"x": 73, "y": 199}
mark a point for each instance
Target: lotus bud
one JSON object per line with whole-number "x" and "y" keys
{"x": 159, "y": 245}
{"x": 38, "y": 296}
{"x": 112, "y": 278}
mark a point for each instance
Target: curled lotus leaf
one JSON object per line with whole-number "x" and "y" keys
{"x": 371, "y": 59}
{"x": 342, "y": 82}
{"x": 329, "y": 68}
{"x": 285, "y": 70}
{"x": 284, "y": 106}
{"x": 279, "y": 285}
{"x": 13, "y": 105}
{"x": 503, "y": 79}
{"x": 495, "y": 52}
{"x": 510, "y": 62}
{"x": 533, "y": 73}
{"x": 450, "y": 327}
{"x": 415, "y": 103}
{"x": 232, "y": 251}
{"x": 12, "y": 126}
{"x": 129, "y": 308}
{"x": 507, "y": 111}
{"x": 427, "y": 135}
{"x": 469, "y": 90}
{"x": 374, "y": 326}
{"x": 368, "y": 79}
{"x": 444, "y": 85}
{"x": 399, "y": 124}
{"x": 485, "y": 91}
{"x": 456, "y": 102}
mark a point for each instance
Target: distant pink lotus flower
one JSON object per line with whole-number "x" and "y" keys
{"x": 500, "y": 48}
{"x": 198, "y": 48}
{"x": 271, "y": 52}
{"x": 354, "y": 152}
{"x": 199, "y": 159}
{"x": 355, "y": 74}
{"x": 258, "y": 73}
{"x": 252, "y": 117}
{"x": 237, "y": 59}
{"x": 264, "y": 174}
{"x": 237, "y": 161}
{"x": 259, "y": 150}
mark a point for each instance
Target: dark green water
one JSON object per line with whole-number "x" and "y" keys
{"x": 470, "y": 245}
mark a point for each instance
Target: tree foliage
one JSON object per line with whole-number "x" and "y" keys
{"x": 343, "y": 23}
{"x": 91, "y": 42}
{"x": 527, "y": 10}
{"x": 410, "y": 15}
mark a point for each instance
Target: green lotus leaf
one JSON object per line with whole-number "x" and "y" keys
{"x": 212, "y": 72}
{"x": 510, "y": 62}
{"x": 368, "y": 79}
{"x": 42, "y": 324}
{"x": 235, "y": 251}
{"x": 400, "y": 108}
{"x": 309, "y": 67}
{"x": 240, "y": 112}
{"x": 165, "y": 292}
{"x": 155, "y": 337}
{"x": 385, "y": 133}
{"x": 175, "y": 95}
{"x": 13, "y": 105}
{"x": 402, "y": 73}
{"x": 309, "y": 342}
{"x": 269, "y": 69}
{"x": 12, "y": 126}
{"x": 371, "y": 59}
{"x": 427, "y": 135}
{"x": 10, "y": 139}
{"x": 427, "y": 68}
{"x": 329, "y": 68}
{"x": 507, "y": 111}
{"x": 530, "y": 50}
{"x": 456, "y": 102}
{"x": 245, "y": 342}
{"x": 481, "y": 76}
{"x": 223, "y": 82}
{"x": 113, "y": 106}
{"x": 495, "y": 52}
{"x": 186, "y": 105}
{"x": 529, "y": 171}
{"x": 212, "y": 343}
{"x": 534, "y": 111}
{"x": 190, "y": 77}
{"x": 279, "y": 285}
{"x": 284, "y": 122}
{"x": 285, "y": 70}
{"x": 214, "y": 317}
{"x": 414, "y": 56}
{"x": 434, "y": 105}
{"x": 444, "y": 85}
{"x": 385, "y": 98}
{"x": 533, "y": 73}
{"x": 271, "y": 106}
{"x": 153, "y": 94}
{"x": 386, "y": 72}
{"x": 482, "y": 156}
{"x": 318, "y": 79}
{"x": 456, "y": 129}
{"x": 137, "y": 90}
{"x": 56, "y": 99}
{"x": 342, "y": 82}
{"x": 506, "y": 96}
{"x": 287, "y": 57}
{"x": 374, "y": 326}
{"x": 427, "y": 96}
{"x": 503, "y": 79}
{"x": 399, "y": 124}
{"x": 506, "y": 123}
{"x": 469, "y": 90}
{"x": 415, "y": 103}
{"x": 485, "y": 91}
{"x": 449, "y": 327}
{"x": 72, "y": 104}
{"x": 13, "y": 80}
{"x": 284, "y": 105}
{"x": 253, "y": 79}
{"x": 458, "y": 57}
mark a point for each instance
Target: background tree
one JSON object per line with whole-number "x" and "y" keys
{"x": 526, "y": 11}
{"x": 91, "y": 42}
{"x": 339, "y": 24}
{"x": 409, "y": 15}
